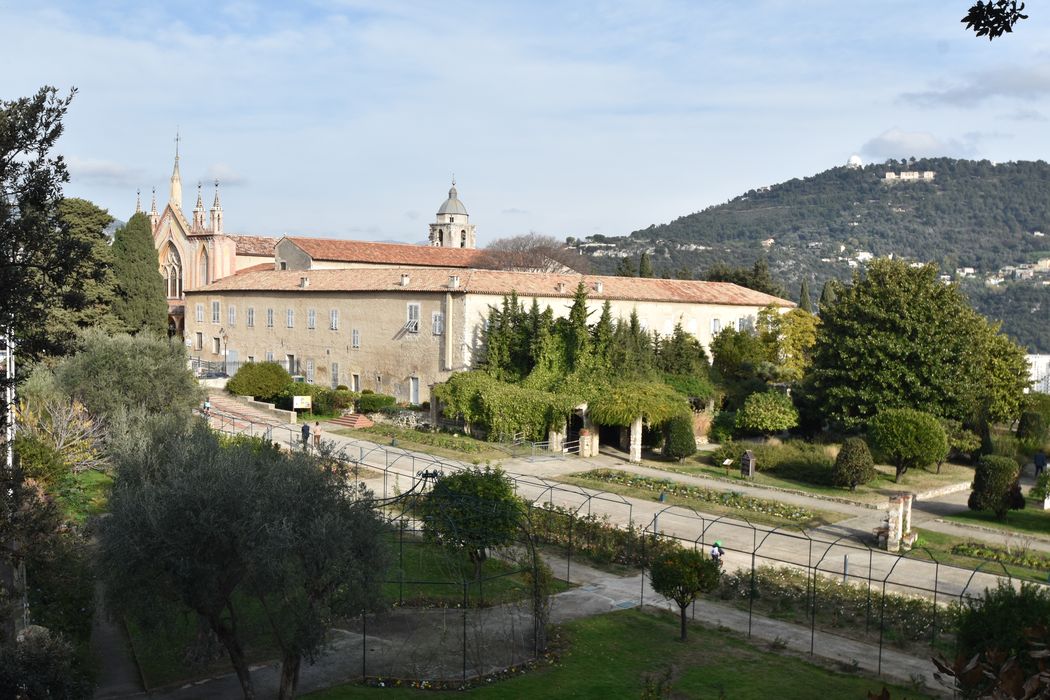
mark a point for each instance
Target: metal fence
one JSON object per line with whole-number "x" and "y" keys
{"x": 824, "y": 574}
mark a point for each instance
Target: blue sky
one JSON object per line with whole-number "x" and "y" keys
{"x": 347, "y": 118}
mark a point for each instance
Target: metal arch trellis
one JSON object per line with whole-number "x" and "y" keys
{"x": 933, "y": 582}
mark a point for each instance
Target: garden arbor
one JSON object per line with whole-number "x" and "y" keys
{"x": 634, "y": 403}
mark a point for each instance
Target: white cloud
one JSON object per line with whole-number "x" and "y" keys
{"x": 225, "y": 174}
{"x": 1026, "y": 83}
{"x": 897, "y": 143}
{"x": 102, "y": 172}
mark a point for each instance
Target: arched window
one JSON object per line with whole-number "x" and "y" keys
{"x": 204, "y": 276}
{"x": 463, "y": 239}
{"x": 171, "y": 270}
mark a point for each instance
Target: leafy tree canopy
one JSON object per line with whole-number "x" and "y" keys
{"x": 682, "y": 575}
{"x": 767, "y": 412}
{"x": 898, "y": 337}
{"x": 141, "y": 302}
{"x": 908, "y": 438}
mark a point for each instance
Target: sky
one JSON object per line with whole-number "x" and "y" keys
{"x": 348, "y": 118}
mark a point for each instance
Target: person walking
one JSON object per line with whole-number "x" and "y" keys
{"x": 717, "y": 553}
{"x": 317, "y": 435}
{"x": 1040, "y": 463}
{"x": 306, "y": 435}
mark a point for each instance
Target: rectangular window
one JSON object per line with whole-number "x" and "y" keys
{"x": 289, "y": 318}
{"x": 333, "y": 319}
{"x": 311, "y": 319}
{"x": 269, "y": 355}
{"x": 716, "y": 326}
{"x": 215, "y": 312}
{"x": 200, "y": 313}
{"x": 249, "y": 317}
{"x": 437, "y": 322}
{"x": 355, "y": 382}
{"x": 231, "y": 315}
{"x": 269, "y": 318}
{"x": 355, "y": 338}
{"x": 216, "y": 346}
{"x": 198, "y": 342}
{"x": 293, "y": 366}
{"x": 413, "y": 318}
{"x": 335, "y": 374}
{"x": 310, "y": 371}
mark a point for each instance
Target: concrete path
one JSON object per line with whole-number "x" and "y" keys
{"x": 118, "y": 675}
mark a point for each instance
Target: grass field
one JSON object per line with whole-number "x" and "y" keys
{"x": 612, "y": 656}
{"x": 461, "y": 447}
{"x": 84, "y": 495}
{"x": 939, "y": 546}
{"x": 1033, "y": 520}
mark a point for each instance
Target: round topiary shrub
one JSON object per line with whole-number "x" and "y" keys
{"x": 854, "y": 465}
{"x": 679, "y": 441}
{"x": 995, "y": 486}
{"x": 263, "y": 380}
{"x": 373, "y": 403}
{"x": 767, "y": 412}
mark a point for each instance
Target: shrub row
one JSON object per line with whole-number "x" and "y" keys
{"x": 789, "y": 591}
{"x": 1030, "y": 560}
{"x": 595, "y": 537}
{"x": 443, "y": 440}
{"x": 696, "y": 493}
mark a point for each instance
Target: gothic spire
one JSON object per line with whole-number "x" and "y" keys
{"x": 215, "y": 204}
{"x": 175, "y": 196}
{"x": 138, "y": 201}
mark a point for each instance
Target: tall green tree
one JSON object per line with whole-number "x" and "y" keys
{"x": 85, "y": 299}
{"x": 682, "y": 354}
{"x": 141, "y": 302}
{"x": 900, "y": 338}
{"x": 908, "y": 438}
{"x": 37, "y": 253}
{"x": 645, "y": 265}
{"x": 757, "y": 277}
{"x": 577, "y": 332}
{"x": 804, "y": 302}
{"x": 602, "y": 337}
{"x": 828, "y": 294}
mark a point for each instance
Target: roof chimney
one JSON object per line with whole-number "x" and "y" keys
{"x": 404, "y": 279}
{"x": 599, "y": 286}
{"x": 453, "y": 281}
{"x": 304, "y": 282}
{"x": 561, "y": 287}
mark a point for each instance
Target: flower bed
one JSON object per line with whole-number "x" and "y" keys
{"x": 1029, "y": 560}
{"x": 442, "y": 440}
{"x": 729, "y": 499}
{"x": 788, "y": 593}
{"x": 595, "y": 537}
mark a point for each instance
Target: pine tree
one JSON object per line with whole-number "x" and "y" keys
{"x": 645, "y": 266}
{"x": 140, "y": 301}
{"x": 578, "y": 334}
{"x": 602, "y": 337}
{"x": 804, "y": 302}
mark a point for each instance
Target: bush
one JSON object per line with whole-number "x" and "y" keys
{"x": 321, "y": 397}
{"x": 373, "y": 403}
{"x": 1042, "y": 486}
{"x": 1031, "y": 430}
{"x": 998, "y": 620}
{"x": 908, "y": 438}
{"x": 39, "y": 460}
{"x": 679, "y": 441}
{"x": 995, "y": 486}
{"x": 723, "y": 427}
{"x": 343, "y": 399}
{"x": 263, "y": 380}
{"x": 767, "y": 412}
{"x": 342, "y": 387}
{"x": 854, "y": 465}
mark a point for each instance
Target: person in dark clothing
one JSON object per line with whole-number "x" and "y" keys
{"x": 306, "y": 435}
{"x": 1040, "y": 463}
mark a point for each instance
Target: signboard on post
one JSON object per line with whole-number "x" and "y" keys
{"x": 301, "y": 402}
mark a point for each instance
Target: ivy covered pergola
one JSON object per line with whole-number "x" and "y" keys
{"x": 634, "y": 403}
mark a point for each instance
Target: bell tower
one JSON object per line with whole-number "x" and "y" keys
{"x": 452, "y": 227}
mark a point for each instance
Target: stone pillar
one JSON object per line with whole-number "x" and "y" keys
{"x": 636, "y": 440}
{"x": 906, "y": 501}
{"x": 592, "y": 443}
{"x": 556, "y": 438}
{"x": 894, "y": 522}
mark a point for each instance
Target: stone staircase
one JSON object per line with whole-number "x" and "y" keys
{"x": 354, "y": 420}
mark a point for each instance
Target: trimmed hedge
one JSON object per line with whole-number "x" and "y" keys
{"x": 374, "y": 403}
{"x": 854, "y": 465}
{"x": 263, "y": 380}
{"x": 995, "y": 486}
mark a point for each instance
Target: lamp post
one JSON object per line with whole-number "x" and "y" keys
{"x": 225, "y": 338}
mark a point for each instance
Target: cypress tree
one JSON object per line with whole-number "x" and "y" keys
{"x": 578, "y": 337}
{"x": 645, "y": 266}
{"x": 603, "y": 337}
{"x": 828, "y": 295}
{"x": 804, "y": 302}
{"x": 140, "y": 301}
{"x": 624, "y": 267}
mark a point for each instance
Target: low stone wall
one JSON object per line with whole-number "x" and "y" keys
{"x": 268, "y": 408}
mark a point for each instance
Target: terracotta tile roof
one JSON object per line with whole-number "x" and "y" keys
{"x": 340, "y": 250}
{"x": 472, "y": 281}
{"x": 256, "y": 268}
{"x": 253, "y": 245}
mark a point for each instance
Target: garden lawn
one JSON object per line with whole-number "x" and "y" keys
{"x": 767, "y": 511}
{"x": 1033, "y": 520}
{"x": 938, "y": 546}
{"x": 612, "y": 655}
{"x": 461, "y": 447}
{"x": 794, "y": 478}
